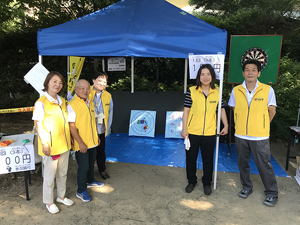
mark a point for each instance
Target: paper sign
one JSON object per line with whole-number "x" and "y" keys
{"x": 116, "y": 64}
{"x": 36, "y": 77}
{"x": 173, "y": 124}
{"x": 216, "y": 61}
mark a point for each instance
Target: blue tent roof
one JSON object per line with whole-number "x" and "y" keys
{"x": 140, "y": 28}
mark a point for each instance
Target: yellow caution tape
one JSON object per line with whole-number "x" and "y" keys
{"x": 17, "y": 110}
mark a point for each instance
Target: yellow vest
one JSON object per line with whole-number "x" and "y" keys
{"x": 105, "y": 98}
{"x": 55, "y": 123}
{"x": 85, "y": 122}
{"x": 202, "y": 116}
{"x": 254, "y": 120}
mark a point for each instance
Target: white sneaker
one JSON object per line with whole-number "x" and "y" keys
{"x": 66, "y": 201}
{"x": 52, "y": 209}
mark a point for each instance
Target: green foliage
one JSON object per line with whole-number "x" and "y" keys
{"x": 170, "y": 75}
{"x": 54, "y": 12}
{"x": 11, "y": 16}
{"x": 246, "y": 17}
{"x": 228, "y": 7}
{"x": 287, "y": 96}
{"x": 19, "y": 22}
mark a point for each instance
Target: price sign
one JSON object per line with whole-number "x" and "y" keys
{"x": 216, "y": 61}
{"x": 18, "y": 156}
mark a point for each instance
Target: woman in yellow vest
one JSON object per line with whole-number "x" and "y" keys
{"x": 199, "y": 126}
{"x": 104, "y": 113}
{"x": 51, "y": 121}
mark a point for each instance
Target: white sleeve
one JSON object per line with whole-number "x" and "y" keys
{"x": 272, "y": 98}
{"x": 71, "y": 114}
{"x": 231, "y": 102}
{"x": 39, "y": 111}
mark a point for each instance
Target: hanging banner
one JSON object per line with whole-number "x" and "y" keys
{"x": 75, "y": 67}
{"x": 116, "y": 64}
{"x": 216, "y": 61}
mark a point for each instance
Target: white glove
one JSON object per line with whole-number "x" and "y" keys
{"x": 187, "y": 143}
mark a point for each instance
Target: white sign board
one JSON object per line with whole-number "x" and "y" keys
{"x": 216, "y": 61}
{"x": 173, "y": 124}
{"x": 116, "y": 64}
{"x": 17, "y": 157}
{"x": 36, "y": 77}
{"x": 142, "y": 123}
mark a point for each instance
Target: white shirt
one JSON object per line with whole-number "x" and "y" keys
{"x": 271, "y": 101}
{"x": 39, "y": 109}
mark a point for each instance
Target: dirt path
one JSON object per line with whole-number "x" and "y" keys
{"x": 143, "y": 194}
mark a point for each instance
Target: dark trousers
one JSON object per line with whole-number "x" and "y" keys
{"x": 101, "y": 157}
{"x": 207, "y": 147}
{"x": 262, "y": 157}
{"x": 85, "y": 172}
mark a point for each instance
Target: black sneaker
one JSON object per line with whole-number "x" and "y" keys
{"x": 104, "y": 175}
{"x": 207, "y": 190}
{"x": 189, "y": 188}
{"x": 245, "y": 193}
{"x": 270, "y": 201}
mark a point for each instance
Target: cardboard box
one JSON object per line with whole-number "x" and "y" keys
{"x": 297, "y": 167}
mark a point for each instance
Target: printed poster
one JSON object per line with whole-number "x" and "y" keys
{"x": 142, "y": 123}
{"x": 173, "y": 124}
{"x": 116, "y": 64}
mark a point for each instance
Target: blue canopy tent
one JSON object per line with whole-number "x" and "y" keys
{"x": 135, "y": 28}
{"x": 139, "y": 28}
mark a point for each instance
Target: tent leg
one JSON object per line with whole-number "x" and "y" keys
{"x": 218, "y": 133}
{"x": 185, "y": 75}
{"x": 157, "y": 74}
{"x": 103, "y": 64}
{"x": 41, "y": 59}
{"x": 132, "y": 74}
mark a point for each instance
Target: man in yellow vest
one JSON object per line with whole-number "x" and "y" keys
{"x": 254, "y": 106}
{"x": 82, "y": 123}
{"x": 104, "y": 113}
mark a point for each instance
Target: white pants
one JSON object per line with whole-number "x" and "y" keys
{"x": 55, "y": 169}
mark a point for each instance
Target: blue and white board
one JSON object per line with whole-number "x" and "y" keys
{"x": 142, "y": 123}
{"x": 173, "y": 124}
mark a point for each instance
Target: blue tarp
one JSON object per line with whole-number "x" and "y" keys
{"x": 161, "y": 151}
{"x": 139, "y": 28}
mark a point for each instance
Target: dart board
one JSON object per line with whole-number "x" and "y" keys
{"x": 255, "y": 53}
{"x": 264, "y": 48}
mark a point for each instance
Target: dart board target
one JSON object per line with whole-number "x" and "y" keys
{"x": 264, "y": 48}
{"x": 255, "y": 53}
